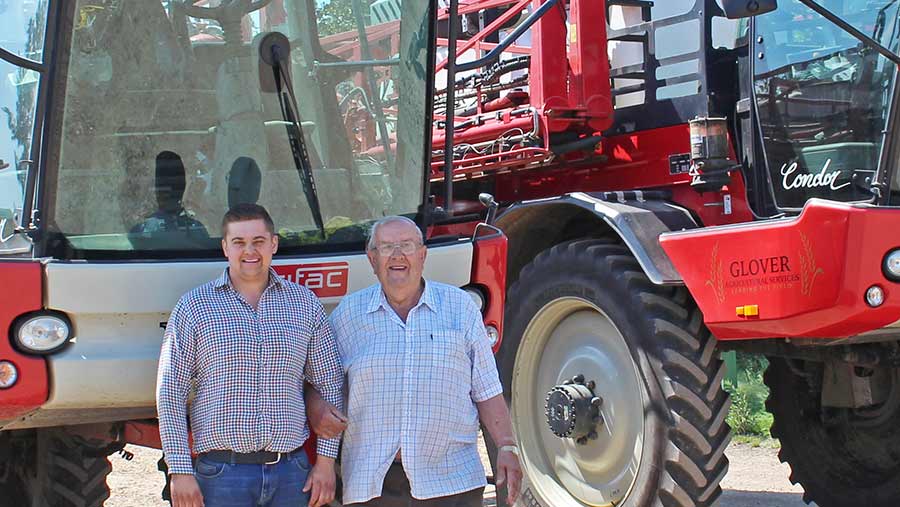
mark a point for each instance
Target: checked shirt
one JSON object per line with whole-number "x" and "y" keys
{"x": 413, "y": 387}
{"x": 246, "y": 368}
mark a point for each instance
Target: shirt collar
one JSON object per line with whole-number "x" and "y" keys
{"x": 225, "y": 280}
{"x": 379, "y": 300}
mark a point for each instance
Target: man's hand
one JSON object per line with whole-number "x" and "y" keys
{"x": 320, "y": 482}
{"x": 494, "y": 416}
{"x": 324, "y": 418}
{"x": 509, "y": 473}
{"x": 185, "y": 491}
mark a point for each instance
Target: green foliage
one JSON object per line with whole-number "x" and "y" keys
{"x": 336, "y": 16}
{"x": 748, "y": 414}
{"x": 756, "y": 441}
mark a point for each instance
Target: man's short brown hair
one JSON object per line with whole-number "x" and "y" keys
{"x": 245, "y": 212}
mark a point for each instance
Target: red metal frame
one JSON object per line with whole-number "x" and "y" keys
{"x": 571, "y": 94}
{"x": 21, "y": 294}
{"x": 632, "y": 161}
{"x": 569, "y": 87}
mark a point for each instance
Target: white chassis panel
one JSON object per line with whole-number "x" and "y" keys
{"x": 109, "y": 373}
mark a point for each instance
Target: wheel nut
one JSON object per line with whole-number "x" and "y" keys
{"x": 578, "y": 379}
{"x": 596, "y": 402}
{"x": 591, "y": 385}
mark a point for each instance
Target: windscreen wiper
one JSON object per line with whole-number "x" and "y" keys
{"x": 274, "y": 49}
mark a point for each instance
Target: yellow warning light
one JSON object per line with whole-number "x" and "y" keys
{"x": 747, "y": 311}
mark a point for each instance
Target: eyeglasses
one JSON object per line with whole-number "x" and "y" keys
{"x": 406, "y": 248}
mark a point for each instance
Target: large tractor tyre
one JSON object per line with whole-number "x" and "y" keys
{"x": 584, "y": 324}
{"x": 62, "y": 471}
{"x": 840, "y": 456}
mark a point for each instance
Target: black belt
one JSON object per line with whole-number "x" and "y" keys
{"x": 248, "y": 458}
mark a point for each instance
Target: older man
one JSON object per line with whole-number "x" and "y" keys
{"x": 420, "y": 374}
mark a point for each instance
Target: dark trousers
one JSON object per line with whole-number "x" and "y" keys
{"x": 396, "y": 493}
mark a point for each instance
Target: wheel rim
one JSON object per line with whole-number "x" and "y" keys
{"x": 567, "y": 337}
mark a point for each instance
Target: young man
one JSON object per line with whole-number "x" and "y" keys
{"x": 245, "y": 343}
{"x": 420, "y": 374}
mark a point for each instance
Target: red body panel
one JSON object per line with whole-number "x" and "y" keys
{"x": 808, "y": 275}
{"x": 489, "y": 271}
{"x": 20, "y": 292}
{"x": 142, "y": 433}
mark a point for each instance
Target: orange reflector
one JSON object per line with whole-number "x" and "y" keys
{"x": 747, "y": 311}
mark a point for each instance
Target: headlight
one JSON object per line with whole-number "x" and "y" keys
{"x": 892, "y": 265}
{"x": 477, "y": 296}
{"x": 42, "y": 334}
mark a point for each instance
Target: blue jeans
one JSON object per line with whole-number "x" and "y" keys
{"x": 278, "y": 485}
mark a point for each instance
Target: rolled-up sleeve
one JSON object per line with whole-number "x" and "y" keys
{"x": 324, "y": 371}
{"x": 173, "y": 384}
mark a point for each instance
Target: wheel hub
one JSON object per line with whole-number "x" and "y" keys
{"x": 567, "y": 340}
{"x": 573, "y": 410}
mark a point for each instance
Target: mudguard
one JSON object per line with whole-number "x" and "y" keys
{"x": 639, "y": 218}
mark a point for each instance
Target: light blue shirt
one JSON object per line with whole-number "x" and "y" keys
{"x": 413, "y": 387}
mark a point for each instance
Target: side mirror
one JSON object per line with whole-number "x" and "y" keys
{"x": 735, "y": 9}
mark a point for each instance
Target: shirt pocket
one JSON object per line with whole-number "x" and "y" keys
{"x": 449, "y": 357}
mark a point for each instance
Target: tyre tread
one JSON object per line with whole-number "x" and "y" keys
{"x": 694, "y": 461}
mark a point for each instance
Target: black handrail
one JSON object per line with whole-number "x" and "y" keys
{"x": 508, "y": 40}
{"x": 450, "y": 111}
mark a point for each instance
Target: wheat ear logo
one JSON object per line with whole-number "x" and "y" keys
{"x": 808, "y": 268}
{"x": 716, "y": 278}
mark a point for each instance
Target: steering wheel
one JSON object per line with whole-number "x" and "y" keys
{"x": 228, "y": 13}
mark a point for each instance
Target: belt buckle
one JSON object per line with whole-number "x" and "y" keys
{"x": 277, "y": 459}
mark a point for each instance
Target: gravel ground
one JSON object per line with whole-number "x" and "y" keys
{"x": 755, "y": 479}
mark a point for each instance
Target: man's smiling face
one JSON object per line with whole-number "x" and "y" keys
{"x": 398, "y": 258}
{"x": 249, "y": 247}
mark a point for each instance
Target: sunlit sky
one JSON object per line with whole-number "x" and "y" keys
{"x": 13, "y": 23}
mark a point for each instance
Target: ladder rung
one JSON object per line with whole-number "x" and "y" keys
{"x": 631, "y": 3}
{"x": 637, "y": 71}
{"x": 628, "y": 75}
{"x": 630, "y": 37}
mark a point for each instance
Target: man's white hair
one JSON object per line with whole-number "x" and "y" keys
{"x": 391, "y": 220}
